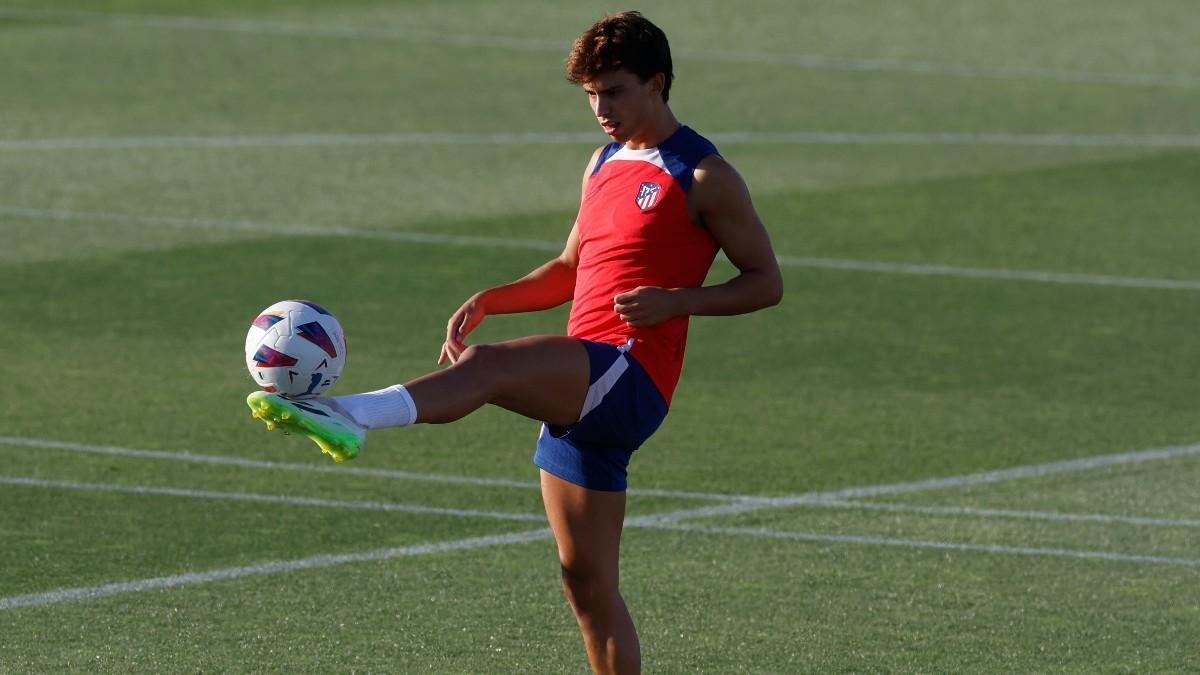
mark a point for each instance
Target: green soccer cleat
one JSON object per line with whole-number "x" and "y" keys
{"x": 322, "y": 420}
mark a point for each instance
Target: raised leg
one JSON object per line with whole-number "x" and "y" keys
{"x": 543, "y": 377}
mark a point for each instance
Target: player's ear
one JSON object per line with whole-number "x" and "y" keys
{"x": 656, "y": 82}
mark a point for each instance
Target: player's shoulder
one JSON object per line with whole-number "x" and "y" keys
{"x": 591, "y": 165}
{"x": 683, "y": 152}
{"x": 688, "y": 147}
{"x": 707, "y": 162}
{"x": 601, "y": 155}
{"x": 716, "y": 181}
{"x": 715, "y": 167}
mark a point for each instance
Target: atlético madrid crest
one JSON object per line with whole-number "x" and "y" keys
{"x": 647, "y": 195}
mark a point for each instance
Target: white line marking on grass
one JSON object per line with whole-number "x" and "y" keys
{"x": 709, "y": 55}
{"x": 269, "y": 499}
{"x": 301, "y": 140}
{"x": 1037, "y": 276}
{"x": 284, "y": 230}
{"x": 738, "y": 503}
{"x": 275, "y": 567}
{"x": 940, "y": 545}
{"x": 1027, "y": 471}
{"x": 293, "y": 29}
{"x": 668, "y": 521}
{"x": 823, "y": 62}
{"x": 1008, "y": 513}
{"x": 579, "y": 138}
{"x": 959, "y": 138}
{"x": 985, "y": 273}
{"x": 183, "y": 456}
{"x": 351, "y": 470}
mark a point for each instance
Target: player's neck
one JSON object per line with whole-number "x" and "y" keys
{"x": 656, "y": 130}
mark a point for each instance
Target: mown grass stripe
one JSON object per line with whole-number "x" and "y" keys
{"x": 276, "y": 567}
{"x": 1037, "y": 276}
{"x": 1106, "y": 556}
{"x": 534, "y": 44}
{"x": 273, "y": 567}
{"x": 1007, "y": 513}
{"x": 669, "y": 521}
{"x": 268, "y": 499}
{"x": 986, "y": 477}
{"x": 1166, "y": 141}
{"x": 183, "y": 456}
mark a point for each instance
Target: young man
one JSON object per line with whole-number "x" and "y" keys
{"x": 657, "y": 204}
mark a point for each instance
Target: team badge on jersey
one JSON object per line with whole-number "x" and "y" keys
{"x": 647, "y": 195}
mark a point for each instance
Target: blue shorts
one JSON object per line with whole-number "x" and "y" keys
{"x": 623, "y": 408}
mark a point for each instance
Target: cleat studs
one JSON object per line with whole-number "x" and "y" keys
{"x": 271, "y": 425}
{"x": 286, "y": 416}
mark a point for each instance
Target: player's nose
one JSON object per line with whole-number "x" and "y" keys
{"x": 602, "y": 107}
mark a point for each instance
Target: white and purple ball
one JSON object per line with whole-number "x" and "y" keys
{"x": 295, "y": 348}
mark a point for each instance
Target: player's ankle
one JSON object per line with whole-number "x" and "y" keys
{"x": 390, "y": 407}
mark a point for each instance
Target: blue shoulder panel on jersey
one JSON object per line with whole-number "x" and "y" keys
{"x": 608, "y": 151}
{"x": 682, "y": 152}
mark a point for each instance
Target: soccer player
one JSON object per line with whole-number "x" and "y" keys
{"x": 658, "y": 202}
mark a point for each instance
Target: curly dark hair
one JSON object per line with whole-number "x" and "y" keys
{"x": 627, "y": 40}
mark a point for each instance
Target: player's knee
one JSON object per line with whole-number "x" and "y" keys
{"x": 487, "y": 367}
{"x": 586, "y": 587}
{"x": 484, "y": 358}
{"x": 477, "y": 359}
{"x": 471, "y": 356}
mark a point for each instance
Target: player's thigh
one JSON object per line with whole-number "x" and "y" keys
{"x": 544, "y": 377}
{"x": 587, "y": 528}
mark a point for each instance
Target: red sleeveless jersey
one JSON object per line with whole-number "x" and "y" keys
{"x": 634, "y": 230}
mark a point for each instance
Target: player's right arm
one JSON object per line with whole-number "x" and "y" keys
{"x": 548, "y": 286}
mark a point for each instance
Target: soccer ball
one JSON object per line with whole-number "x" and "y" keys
{"x": 295, "y": 348}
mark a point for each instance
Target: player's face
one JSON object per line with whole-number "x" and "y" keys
{"x": 622, "y": 103}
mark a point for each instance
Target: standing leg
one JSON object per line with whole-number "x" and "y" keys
{"x": 587, "y": 526}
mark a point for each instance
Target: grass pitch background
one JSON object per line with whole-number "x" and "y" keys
{"x": 129, "y": 275}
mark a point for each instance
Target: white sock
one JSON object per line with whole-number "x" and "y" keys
{"x": 391, "y": 407}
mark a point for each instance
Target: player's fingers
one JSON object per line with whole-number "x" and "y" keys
{"x": 452, "y": 328}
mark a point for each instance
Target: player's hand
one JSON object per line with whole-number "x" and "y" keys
{"x": 647, "y": 306}
{"x": 461, "y": 323}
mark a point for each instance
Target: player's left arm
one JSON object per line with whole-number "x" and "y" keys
{"x": 722, "y": 204}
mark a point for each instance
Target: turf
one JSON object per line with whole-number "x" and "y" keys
{"x": 131, "y": 273}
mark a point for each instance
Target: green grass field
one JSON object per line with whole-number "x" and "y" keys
{"x": 987, "y": 218}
